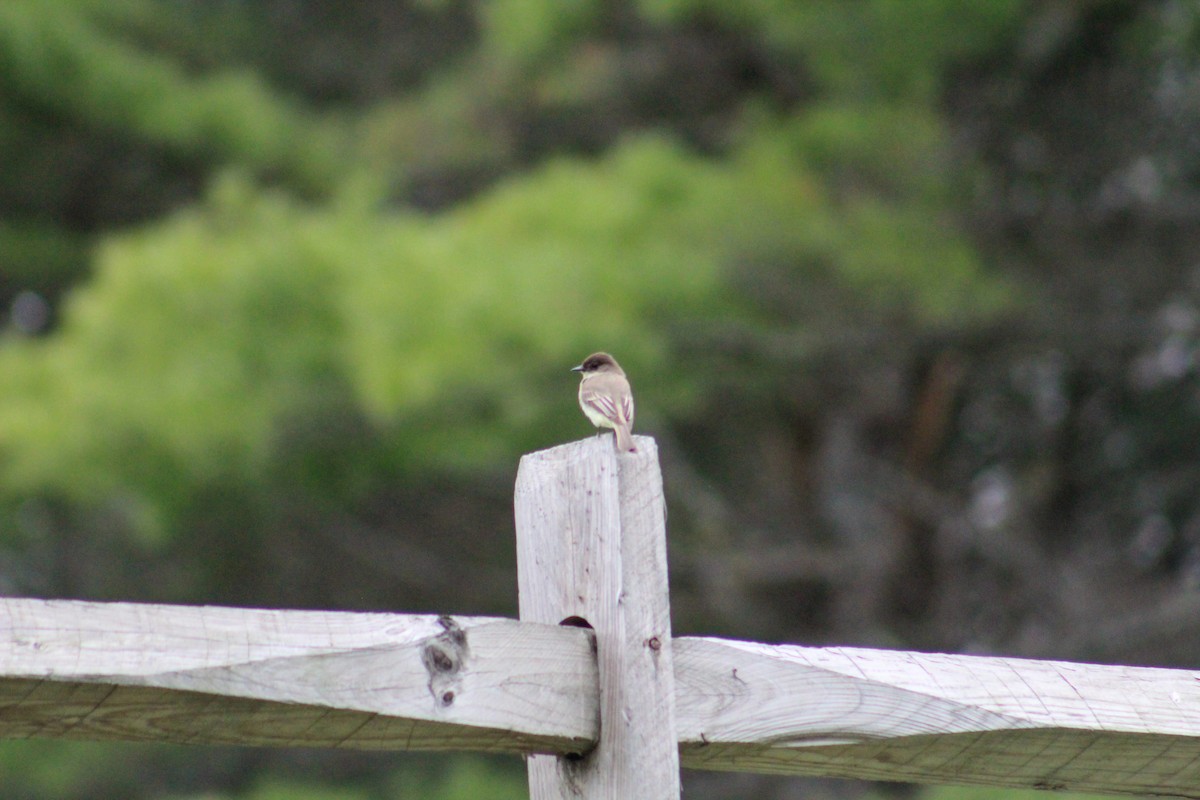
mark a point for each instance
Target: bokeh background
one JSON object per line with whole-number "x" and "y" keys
{"x": 909, "y": 292}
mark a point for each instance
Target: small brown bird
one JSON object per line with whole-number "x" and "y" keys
{"x": 606, "y": 399}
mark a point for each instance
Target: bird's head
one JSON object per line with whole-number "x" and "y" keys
{"x": 598, "y": 362}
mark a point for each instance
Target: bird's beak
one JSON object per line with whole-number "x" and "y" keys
{"x": 577, "y": 369}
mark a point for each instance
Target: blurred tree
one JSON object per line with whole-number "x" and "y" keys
{"x": 201, "y": 338}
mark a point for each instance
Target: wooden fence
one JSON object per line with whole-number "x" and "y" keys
{"x": 606, "y": 704}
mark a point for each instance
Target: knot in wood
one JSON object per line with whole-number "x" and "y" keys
{"x": 438, "y": 660}
{"x": 446, "y": 652}
{"x": 453, "y": 632}
{"x": 444, "y": 657}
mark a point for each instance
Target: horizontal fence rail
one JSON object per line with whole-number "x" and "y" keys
{"x": 209, "y": 675}
{"x": 212, "y": 675}
{"x": 933, "y": 718}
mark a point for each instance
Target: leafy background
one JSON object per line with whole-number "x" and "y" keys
{"x": 907, "y": 290}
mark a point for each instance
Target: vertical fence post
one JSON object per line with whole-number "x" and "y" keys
{"x": 591, "y": 544}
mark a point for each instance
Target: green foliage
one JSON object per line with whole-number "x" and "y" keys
{"x": 37, "y": 255}
{"x": 170, "y": 370}
{"x": 855, "y": 48}
{"x": 543, "y": 267}
{"x": 283, "y": 789}
{"x": 71, "y": 59}
{"x": 50, "y": 768}
{"x": 456, "y": 778}
{"x": 33, "y": 768}
{"x": 524, "y": 31}
{"x": 866, "y": 48}
{"x": 203, "y": 336}
{"x": 469, "y": 779}
{"x": 435, "y": 128}
{"x": 863, "y": 49}
{"x": 882, "y": 221}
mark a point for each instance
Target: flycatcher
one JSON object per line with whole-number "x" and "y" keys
{"x": 606, "y": 399}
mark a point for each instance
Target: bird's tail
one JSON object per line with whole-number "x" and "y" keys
{"x": 624, "y": 439}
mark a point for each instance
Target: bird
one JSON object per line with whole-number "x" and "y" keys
{"x": 606, "y": 399}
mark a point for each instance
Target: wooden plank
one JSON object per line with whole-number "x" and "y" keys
{"x": 380, "y": 681}
{"x": 930, "y": 718}
{"x": 591, "y": 543}
{"x": 82, "y": 670}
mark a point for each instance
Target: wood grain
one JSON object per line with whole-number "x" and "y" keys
{"x": 933, "y": 718}
{"x": 591, "y": 544}
{"x": 82, "y": 670}
{"x": 120, "y": 671}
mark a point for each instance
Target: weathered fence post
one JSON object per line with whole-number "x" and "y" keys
{"x": 591, "y": 545}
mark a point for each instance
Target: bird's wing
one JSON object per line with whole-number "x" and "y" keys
{"x": 604, "y": 403}
{"x": 601, "y": 402}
